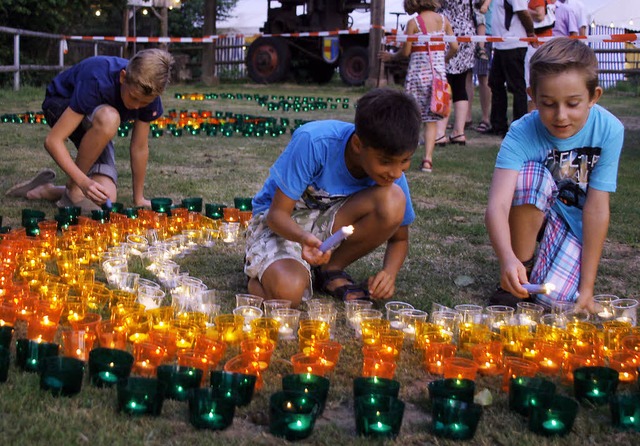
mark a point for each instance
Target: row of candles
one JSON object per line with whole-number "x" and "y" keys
{"x": 400, "y": 317}
{"x": 295, "y": 103}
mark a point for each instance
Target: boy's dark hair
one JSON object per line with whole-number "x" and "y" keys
{"x": 562, "y": 54}
{"x": 388, "y": 120}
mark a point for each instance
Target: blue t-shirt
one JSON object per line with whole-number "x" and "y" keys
{"x": 96, "y": 81}
{"x": 587, "y": 159}
{"x": 312, "y": 170}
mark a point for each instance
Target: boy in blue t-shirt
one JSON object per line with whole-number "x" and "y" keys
{"x": 554, "y": 172}
{"x": 86, "y": 104}
{"x": 335, "y": 174}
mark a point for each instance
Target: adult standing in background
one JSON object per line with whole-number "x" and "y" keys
{"x": 510, "y": 19}
{"x": 566, "y": 22}
{"x": 481, "y": 71}
{"x": 580, "y": 13}
{"x": 425, "y": 60}
{"x": 460, "y": 14}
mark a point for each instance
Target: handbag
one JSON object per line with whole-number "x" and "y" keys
{"x": 440, "y": 93}
{"x": 440, "y": 103}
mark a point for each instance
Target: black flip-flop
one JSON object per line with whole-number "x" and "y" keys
{"x": 21, "y": 189}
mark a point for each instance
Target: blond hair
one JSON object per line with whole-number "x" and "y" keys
{"x": 563, "y": 54}
{"x": 150, "y": 71}
{"x": 417, "y": 6}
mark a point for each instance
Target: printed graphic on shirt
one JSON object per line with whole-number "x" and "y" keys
{"x": 317, "y": 199}
{"x": 571, "y": 170}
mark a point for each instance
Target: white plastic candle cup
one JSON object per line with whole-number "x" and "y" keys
{"x": 249, "y": 313}
{"x": 289, "y": 319}
{"x": 625, "y": 310}
{"x": 352, "y": 306}
{"x": 603, "y": 302}
{"x": 150, "y": 297}
{"x": 393, "y": 312}
{"x": 274, "y": 304}
{"x": 243, "y": 300}
{"x": 499, "y": 315}
{"x": 409, "y": 318}
{"x": 362, "y": 315}
{"x": 469, "y": 313}
{"x": 229, "y": 231}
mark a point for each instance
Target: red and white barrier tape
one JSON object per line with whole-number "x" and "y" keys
{"x": 390, "y": 38}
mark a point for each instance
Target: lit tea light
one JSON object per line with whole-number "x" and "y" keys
{"x": 539, "y": 288}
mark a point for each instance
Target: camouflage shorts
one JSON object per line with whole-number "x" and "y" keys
{"x": 263, "y": 247}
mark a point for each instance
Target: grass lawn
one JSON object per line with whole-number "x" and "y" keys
{"x": 449, "y": 245}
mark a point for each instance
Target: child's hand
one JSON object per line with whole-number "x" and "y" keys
{"x": 382, "y": 285}
{"x": 310, "y": 252}
{"x": 513, "y": 275}
{"x": 585, "y": 301}
{"x": 95, "y": 192}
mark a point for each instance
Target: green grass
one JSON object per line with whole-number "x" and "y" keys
{"x": 448, "y": 240}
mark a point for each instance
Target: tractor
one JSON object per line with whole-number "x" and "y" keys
{"x": 302, "y": 58}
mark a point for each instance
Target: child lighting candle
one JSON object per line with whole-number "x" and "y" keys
{"x": 539, "y": 288}
{"x": 336, "y": 238}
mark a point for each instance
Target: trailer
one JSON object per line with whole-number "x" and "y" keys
{"x": 273, "y": 58}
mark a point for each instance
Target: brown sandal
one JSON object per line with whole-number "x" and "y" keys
{"x": 427, "y": 166}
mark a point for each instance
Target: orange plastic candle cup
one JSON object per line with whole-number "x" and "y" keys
{"x": 245, "y": 363}
{"x": 514, "y": 367}
{"x": 147, "y": 357}
{"x": 308, "y": 363}
{"x": 212, "y": 348}
{"x": 550, "y": 359}
{"x": 77, "y": 343}
{"x": 488, "y": 356}
{"x": 460, "y": 368}
{"x": 260, "y": 349}
{"x": 167, "y": 339}
{"x": 382, "y": 352}
{"x": 626, "y": 363}
{"x": 112, "y": 335}
{"x": 434, "y": 355}
{"x": 378, "y": 368}
{"x": 571, "y": 362}
{"x": 230, "y": 328}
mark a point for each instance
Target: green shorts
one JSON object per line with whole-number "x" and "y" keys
{"x": 263, "y": 246}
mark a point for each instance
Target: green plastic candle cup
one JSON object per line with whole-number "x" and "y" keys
{"x": 5, "y": 361}
{"x": 161, "y": 204}
{"x": 179, "y": 380}
{"x": 292, "y": 415}
{"x": 214, "y": 210}
{"x": 595, "y": 384}
{"x": 31, "y": 217}
{"x": 207, "y": 410}
{"x": 243, "y": 203}
{"x": 453, "y": 388}
{"x": 378, "y": 416}
{"x": 556, "y": 419}
{"x": 30, "y": 354}
{"x": 6, "y": 334}
{"x": 373, "y": 385}
{"x": 141, "y": 396}
{"x": 237, "y": 387}
{"x": 109, "y": 366}
{"x": 129, "y": 212}
{"x": 115, "y": 207}
{"x": 62, "y": 375}
{"x": 308, "y": 384}
{"x": 625, "y": 411}
{"x": 192, "y": 204}
{"x": 455, "y": 419}
{"x": 525, "y": 393}
{"x": 100, "y": 215}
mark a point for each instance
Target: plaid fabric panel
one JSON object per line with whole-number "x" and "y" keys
{"x": 559, "y": 252}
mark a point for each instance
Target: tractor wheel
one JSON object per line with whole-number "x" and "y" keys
{"x": 268, "y": 60}
{"x": 322, "y": 72}
{"x": 354, "y": 65}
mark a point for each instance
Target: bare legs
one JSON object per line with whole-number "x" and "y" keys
{"x": 376, "y": 213}
{"x": 524, "y": 224}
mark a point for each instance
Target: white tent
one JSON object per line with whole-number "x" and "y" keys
{"x": 614, "y": 13}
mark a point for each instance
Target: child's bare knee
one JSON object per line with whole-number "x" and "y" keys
{"x": 106, "y": 119}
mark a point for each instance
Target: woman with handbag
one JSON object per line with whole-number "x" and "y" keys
{"x": 426, "y": 78}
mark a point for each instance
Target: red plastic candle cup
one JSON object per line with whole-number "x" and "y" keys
{"x": 147, "y": 357}
{"x": 247, "y": 365}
